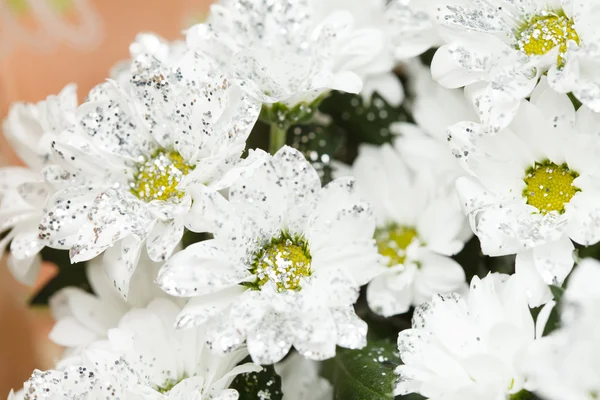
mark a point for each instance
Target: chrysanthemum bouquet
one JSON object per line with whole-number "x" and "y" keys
{"x": 319, "y": 199}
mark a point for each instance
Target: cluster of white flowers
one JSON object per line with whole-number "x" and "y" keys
{"x": 501, "y": 151}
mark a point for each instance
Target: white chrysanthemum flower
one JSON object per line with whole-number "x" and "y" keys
{"x": 566, "y": 364}
{"x": 300, "y": 379}
{"x": 283, "y": 52}
{"x": 419, "y": 226}
{"x": 468, "y": 348}
{"x": 145, "y": 357}
{"x": 408, "y": 33}
{"x": 285, "y": 266}
{"x": 504, "y": 46}
{"x": 30, "y": 128}
{"x": 533, "y": 188}
{"x": 139, "y": 153}
{"x": 82, "y": 318}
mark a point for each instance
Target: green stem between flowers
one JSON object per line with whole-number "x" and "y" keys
{"x": 278, "y": 138}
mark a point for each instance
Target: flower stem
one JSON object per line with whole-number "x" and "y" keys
{"x": 277, "y": 138}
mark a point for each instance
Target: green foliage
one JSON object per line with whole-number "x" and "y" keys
{"x": 265, "y": 384}
{"x": 363, "y": 122}
{"x": 366, "y": 374}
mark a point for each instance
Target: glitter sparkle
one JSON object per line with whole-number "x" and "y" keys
{"x": 550, "y": 186}
{"x": 543, "y": 33}
{"x": 392, "y": 243}
{"x": 157, "y": 177}
{"x": 284, "y": 261}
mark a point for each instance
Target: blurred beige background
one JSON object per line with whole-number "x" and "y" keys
{"x": 35, "y": 62}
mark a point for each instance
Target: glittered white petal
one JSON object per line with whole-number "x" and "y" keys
{"x": 113, "y": 216}
{"x": 202, "y": 308}
{"x": 332, "y": 287}
{"x": 120, "y": 262}
{"x": 448, "y": 73}
{"x": 339, "y": 216}
{"x": 554, "y": 260}
{"x": 315, "y": 334}
{"x": 260, "y": 199}
{"x": 302, "y": 185}
{"x": 271, "y": 341}
{"x": 112, "y": 124}
{"x": 351, "y": 330}
{"x": 163, "y": 239}
{"x": 66, "y": 212}
{"x": 199, "y": 269}
{"x": 359, "y": 259}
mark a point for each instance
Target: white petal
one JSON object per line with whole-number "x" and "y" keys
{"x": 163, "y": 239}
{"x": 200, "y": 309}
{"x": 199, "y": 269}
{"x": 120, "y": 262}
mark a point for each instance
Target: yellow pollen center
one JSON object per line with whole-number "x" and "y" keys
{"x": 392, "y": 243}
{"x": 284, "y": 262}
{"x": 157, "y": 177}
{"x": 549, "y": 186}
{"x": 545, "y": 32}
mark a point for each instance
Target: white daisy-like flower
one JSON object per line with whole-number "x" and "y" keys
{"x": 500, "y": 48}
{"x": 408, "y": 33}
{"x": 300, "y": 379}
{"x": 566, "y": 364}
{"x": 82, "y": 318}
{"x": 469, "y": 348}
{"x": 29, "y": 129}
{"x": 533, "y": 188}
{"x": 419, "y": 226}
{"x": 145, "y": 357}
{"x": 138, "y": 153}
{"x": 286, "y": 54}
{"x": 285, "y": 265}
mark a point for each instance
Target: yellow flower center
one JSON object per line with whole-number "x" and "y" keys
{"x": 549, "y": 186}
{"x": 284, "y": 262}
{"x": 545, "y": 32}
{"x": 393, "y": 242}
{"x": 157, "y": 177}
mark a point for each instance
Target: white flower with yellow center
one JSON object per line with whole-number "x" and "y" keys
{"x": 469, "y": 348}
{"x": 138, "y": 153}
{"x": 499, "y": 48}
{"x": 285, "y": 265}
{"x": 408, "y": 33}
{"x": 145, "y": 357}
{"x": 533, "y": 188}
{"x": 285, "y": 53}
{"x": 419, "y": 226}
{"x": 566, "y": 364}
{"x": 29, "y": 129}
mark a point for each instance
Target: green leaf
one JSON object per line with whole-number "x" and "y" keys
{"x": 265, "y": 384}
{"x": 557, "y": 292}
{"x": 365, "y": 122}
{"x": 366, "y": 374}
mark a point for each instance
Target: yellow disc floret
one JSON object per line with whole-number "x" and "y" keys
{"x": 549, "y": 186}
{"x": 157, "y": 177}
{"x": 284, "y": 262}
{"x": 393, "y": 242}
{"x": 545, "y": 32}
